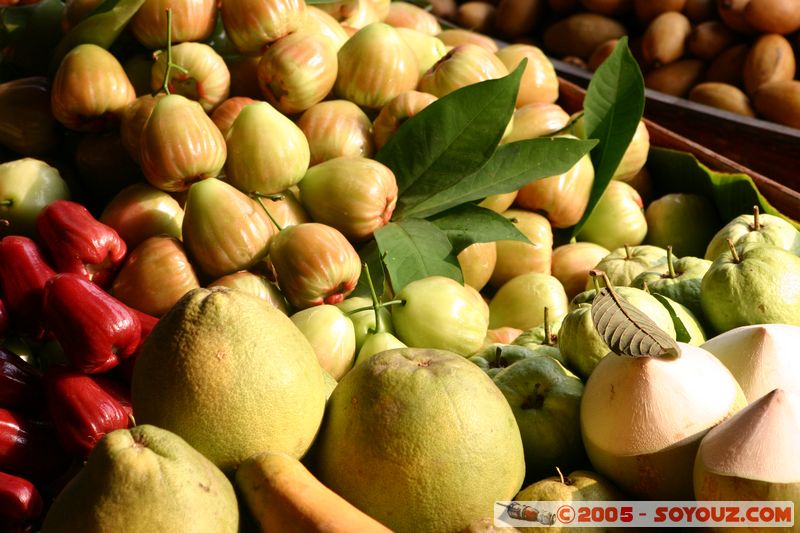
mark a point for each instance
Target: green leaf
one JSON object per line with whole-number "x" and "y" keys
{"x": 469, "y": 223}
{"x": 612, "y": 110}
{"x": 414, "y": 249}
{"x": 101, "y": 28}
{"x": 449, "y": 139}
{"x": 512, "y": 166}
{"x": 682, "y": 334}
{"x": 733, "y": 194}
{"x": 628, "y": 331}
{"x": 370, "y": 254}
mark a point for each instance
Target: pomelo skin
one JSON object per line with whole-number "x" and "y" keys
{"x": 421, "y": 440}
{"x": 145, "y": 479}
{"x": 232, "y": 375}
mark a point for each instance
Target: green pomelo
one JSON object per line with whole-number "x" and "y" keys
{"x": 232, "y": 375}
{"x": 145, "y": 479}
{"x": 421, "y": 440}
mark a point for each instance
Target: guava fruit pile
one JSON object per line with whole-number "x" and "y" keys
{"x": 309, "y": 267}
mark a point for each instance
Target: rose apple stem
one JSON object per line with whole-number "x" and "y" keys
{"x": 170, "y": 64}
{"x": 258, "y": 196}
{"x": 671, "y": 266}
{"x": 370, "y": 308}
{"x": 735, "y": 255}
{"x": 756, "y": 222}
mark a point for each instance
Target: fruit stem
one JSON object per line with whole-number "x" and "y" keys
{"x": 258, "y": 196}
{"x": 379, "y": 326}
{"x": 547, "y": 340}
{"x": 594, "y": 274}
{"x": 756, "y": 222}
{"x": 735, "y": 255}
{"x": 370, "y": 308}
{"x": 670, "y": 265}
{"x": 627, "y": 252}
{"x": 170, "y": 64}
{"x": 599, "y": 273}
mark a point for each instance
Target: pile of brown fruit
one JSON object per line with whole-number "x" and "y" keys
{"x": 736, "y": 55}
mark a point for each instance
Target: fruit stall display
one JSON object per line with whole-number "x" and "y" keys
{"x": 285, "y": 265}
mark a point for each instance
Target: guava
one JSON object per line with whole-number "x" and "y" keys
{"x": 752, "y": 284}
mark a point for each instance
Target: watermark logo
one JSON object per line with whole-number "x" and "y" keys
{"x": 672, "y": 514}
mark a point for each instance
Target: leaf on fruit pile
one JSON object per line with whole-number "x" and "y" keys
{"x": 449, "y": 139}
{"x": 682, "y": 334}
{"x": 612, "y": 110}
{"x": 469, "y": 223}
{"x": 414, "y": 249}
{"x": 512, "y": 166}
{"x": 102, "y": 28}
{"x": 674, "y": 171}
{"x": 628, "y": 331}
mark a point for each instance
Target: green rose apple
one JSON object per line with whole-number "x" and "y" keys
{"x": 617, "y": 219}
{"x": 752, "y": 284}
{"x": 520, "y": 302}
{"x": 438, "y": 312}
{"x": 26, "y": 187}
{"x": 687, "y": 222}
{"x": 331, "y": 335}
{"x": 545, "y": 398}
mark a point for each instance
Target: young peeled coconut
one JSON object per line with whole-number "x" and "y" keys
{"x": 753, "y": 455}
{"x": 648, "y": 403}
{"x": 761, "y": 357}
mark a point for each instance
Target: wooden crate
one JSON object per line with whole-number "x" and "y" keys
{"x": 783, "y": 198}
{"x": 766, "y": 148}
